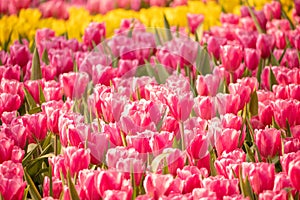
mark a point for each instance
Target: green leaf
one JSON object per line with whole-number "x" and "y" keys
{"x": 285, "y": 16}
{"x": 258, "y": 27}
{"x": 29, "y": 99}
{"x": 157, "y": 161}
{"x": 272, "y": 79}
{"x": 168, "y": 29}
{"x": 245, "y": 186}
{"x": 51, "y": 181}
{"x": 157, "y": 38}
{"x": 249, "y": 152}
{"x": 34, "y": 193}
{"x": 27, "y": 158}
{"x": 36, "y": 72}
{"x": 45, "y": 57}
{"x": 212, "y": 160}
{"x": 72, "y": 189}
{"x": 160, "y": 123}
{"x": 35, "y": 110}
{"x": 274, "y": 124}
{"x": 162, "y": 74}
{"x": 288, "y": 128}
{"x": 254, "y": 104}
{"x": 282, "y": 55}
{"x": 25, "y": 193}
{"x": 274, "y": 61}
{"x": 42, "y": 96}
{"x": 259, "y": 71}
{"x": 202, "y": 61}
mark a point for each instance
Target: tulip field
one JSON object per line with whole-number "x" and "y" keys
{"x": 149, "y": 99}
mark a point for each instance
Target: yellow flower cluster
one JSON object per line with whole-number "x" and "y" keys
{"x": 28, "y": 21}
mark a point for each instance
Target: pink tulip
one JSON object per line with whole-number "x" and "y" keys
{"x": 191, "y": 177}
{"x": 149, "y": 141}
{"x": 265, "y": 112}
{"x": 76, "y": 159}
{"x": 57, "y": 187}
{"x": 108, "y": 180}
{"x": 157, "y": 3}
{"x": 41, "y": 35}
{"x": 207, "y": 85}
{"x": 248, "y": 23}
{"x": 19, "y": 54}
{"x": 221, "y": 186}
{"x": 48, "y": 72}
{"x": 127, "y": 67}
{"x": 272, "y": 10}
{"x": 140, "y": 116}
{"x": 102, "y": 74}
{"x": 280, "y": 39}
{"x": 229, "y": 18}
{"x": 57, "y": 8}
{"x": 199, "y": 193}
{"x": 74, "y": 84}
{"x": 135, "y": 4}
{"x": 131, "y": 167}
{"x": 292, "y": 58}
{"x": 269, "y": 194}
{"x": 9, "y": 102}
{"x": 294, "y": 172}
{"x": 198, "y": 147}
{"x": 228, "y": 103}
{"x": 36, "y": 125}
{"x": 286, "y": 110}
{"x": 213, "y": 45}
{"x": 229, "y": 162}
{"x": 62, "y": 60}
{"x": 261, "y": 176}
{"x": 175, "y": 160}
{"x": 12, "y": 185}
{"x": 286, "y": 159}
{"x": 94, "y": 34}
{"x": 252, "y": 57}
{"x": 9, "y": 151}
{"x": 17, "y": 132}
{"x": 204, "y": 107}
{"x": 52, "y": 91}
{"x": 229, "y": 140}
{"x": 243, "y": 91}
{"x": 157, "y": 184}
{"x": 231, "y": 57}
{"x": 291, "y": 145}
{"x": 58, "y": 166}
{"x": 194, "y": 21}
{"x": 98, "y": 145}
{"x": 268, "y": 142}
{"x": 113, "y": 155}
{"x": 261, "y": 18}
{"x": 11, "y": 72}
{"x": 265, "y": 43}
{"x": 87, "y": 183}
{"x": 282, "y": 181}
{"x": 231, "y": 121}
{"x": 8, "y": 117}
{"x": 115, "y": 194}
{"x": 52, "y": 110}
{"x": 246, "y": 38}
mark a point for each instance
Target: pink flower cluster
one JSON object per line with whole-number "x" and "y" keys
{"x": 177, "y": 133}
{"x": 59, "y": 8}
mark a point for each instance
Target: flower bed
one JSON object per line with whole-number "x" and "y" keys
{"x": 152, "y": 112}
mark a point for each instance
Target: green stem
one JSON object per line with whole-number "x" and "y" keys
{"x": 181, "y": 127}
